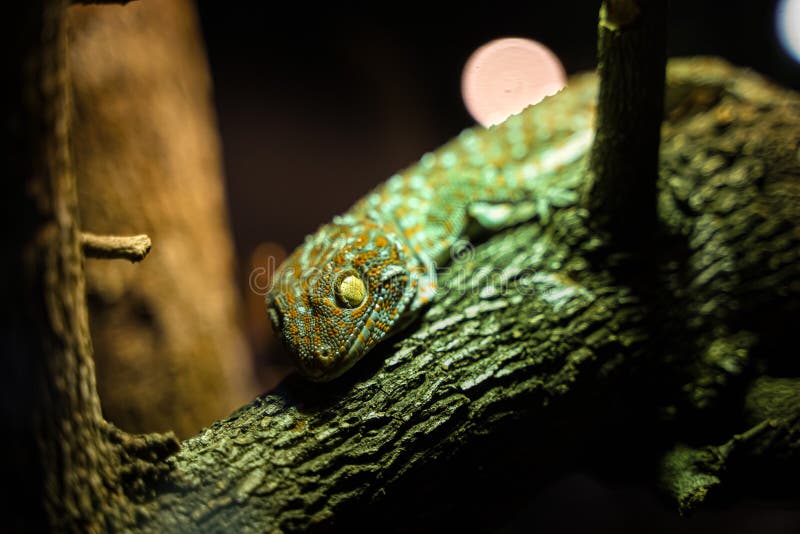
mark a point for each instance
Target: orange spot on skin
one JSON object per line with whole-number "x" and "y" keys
{"x": 381, "y": 241}
{"x": 411, "y": 231}
{"x": 363, "y": 258}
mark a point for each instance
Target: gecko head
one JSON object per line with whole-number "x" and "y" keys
{"x": 338, "y": 295}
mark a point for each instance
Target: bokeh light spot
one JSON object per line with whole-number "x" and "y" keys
{"x": 787, "y": 22}
{"x": 506, "y": 75}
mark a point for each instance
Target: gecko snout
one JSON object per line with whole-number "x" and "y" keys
{"x": 321, "y": 363}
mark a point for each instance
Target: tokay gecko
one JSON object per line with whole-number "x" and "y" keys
{"x": 367, "y": 274}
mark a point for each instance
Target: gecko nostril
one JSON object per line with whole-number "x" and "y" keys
{"x": 323, "y": 353}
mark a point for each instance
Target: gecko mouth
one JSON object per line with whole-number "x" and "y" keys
{"x": 319, "y": 368}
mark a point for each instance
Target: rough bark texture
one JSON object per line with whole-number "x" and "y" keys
{"x": 170, "y": 352}
{"x": 624, "y": 160}
{"x": 551, "y": 336}
{"x": 113, "y": 247}
{"x": 65, "y": 474}
{"x": 65, "y": 411}
{"x": 69, "y": 469}
{"x": 732, "y": 177}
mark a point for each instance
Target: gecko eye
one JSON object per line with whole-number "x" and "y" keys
{"x": 350, "y": 290}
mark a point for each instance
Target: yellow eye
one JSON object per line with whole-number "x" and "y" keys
{"x": 351, "y": 291}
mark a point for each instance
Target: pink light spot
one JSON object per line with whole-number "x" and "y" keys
{"x": 505, "y": 76}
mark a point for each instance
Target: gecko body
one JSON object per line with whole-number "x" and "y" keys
{"x": 367, "y": 274}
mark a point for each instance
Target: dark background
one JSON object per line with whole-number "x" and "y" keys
{"x": 318, "y": 105}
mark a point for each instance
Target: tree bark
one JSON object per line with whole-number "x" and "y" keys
{"x": 621, "y": 195}
{"x": 69, "y": 469}
{"x": 113, "y": 247}
{"x": 169, "y": 347}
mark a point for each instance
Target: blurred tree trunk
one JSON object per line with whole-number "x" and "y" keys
{"x": 169, "y": 349}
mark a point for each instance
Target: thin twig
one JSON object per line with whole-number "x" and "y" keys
{"x": 132, "y": 248}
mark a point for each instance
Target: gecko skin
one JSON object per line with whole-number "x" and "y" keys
{"x": 372, "y": 270}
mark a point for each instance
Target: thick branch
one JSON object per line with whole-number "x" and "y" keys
{"x": 51, "y": 348}
{"x": 62, "y": 459}
{"x": 624, "y": 158}
{"x": 530, "y": 342}
{"x": 132, "y": 248}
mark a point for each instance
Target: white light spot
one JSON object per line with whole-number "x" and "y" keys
{"x": 787, "y": 20}
{"x": 506, "y": 75}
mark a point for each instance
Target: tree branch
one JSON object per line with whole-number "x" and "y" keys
{"x": 62, "y": 417}
{"x": 68, "y": 468}
{"x": 530, "y": 342}
{"x": 624, "y": 159}
{"x": 772, "y": 406}
{"x": 109, "y": 247}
